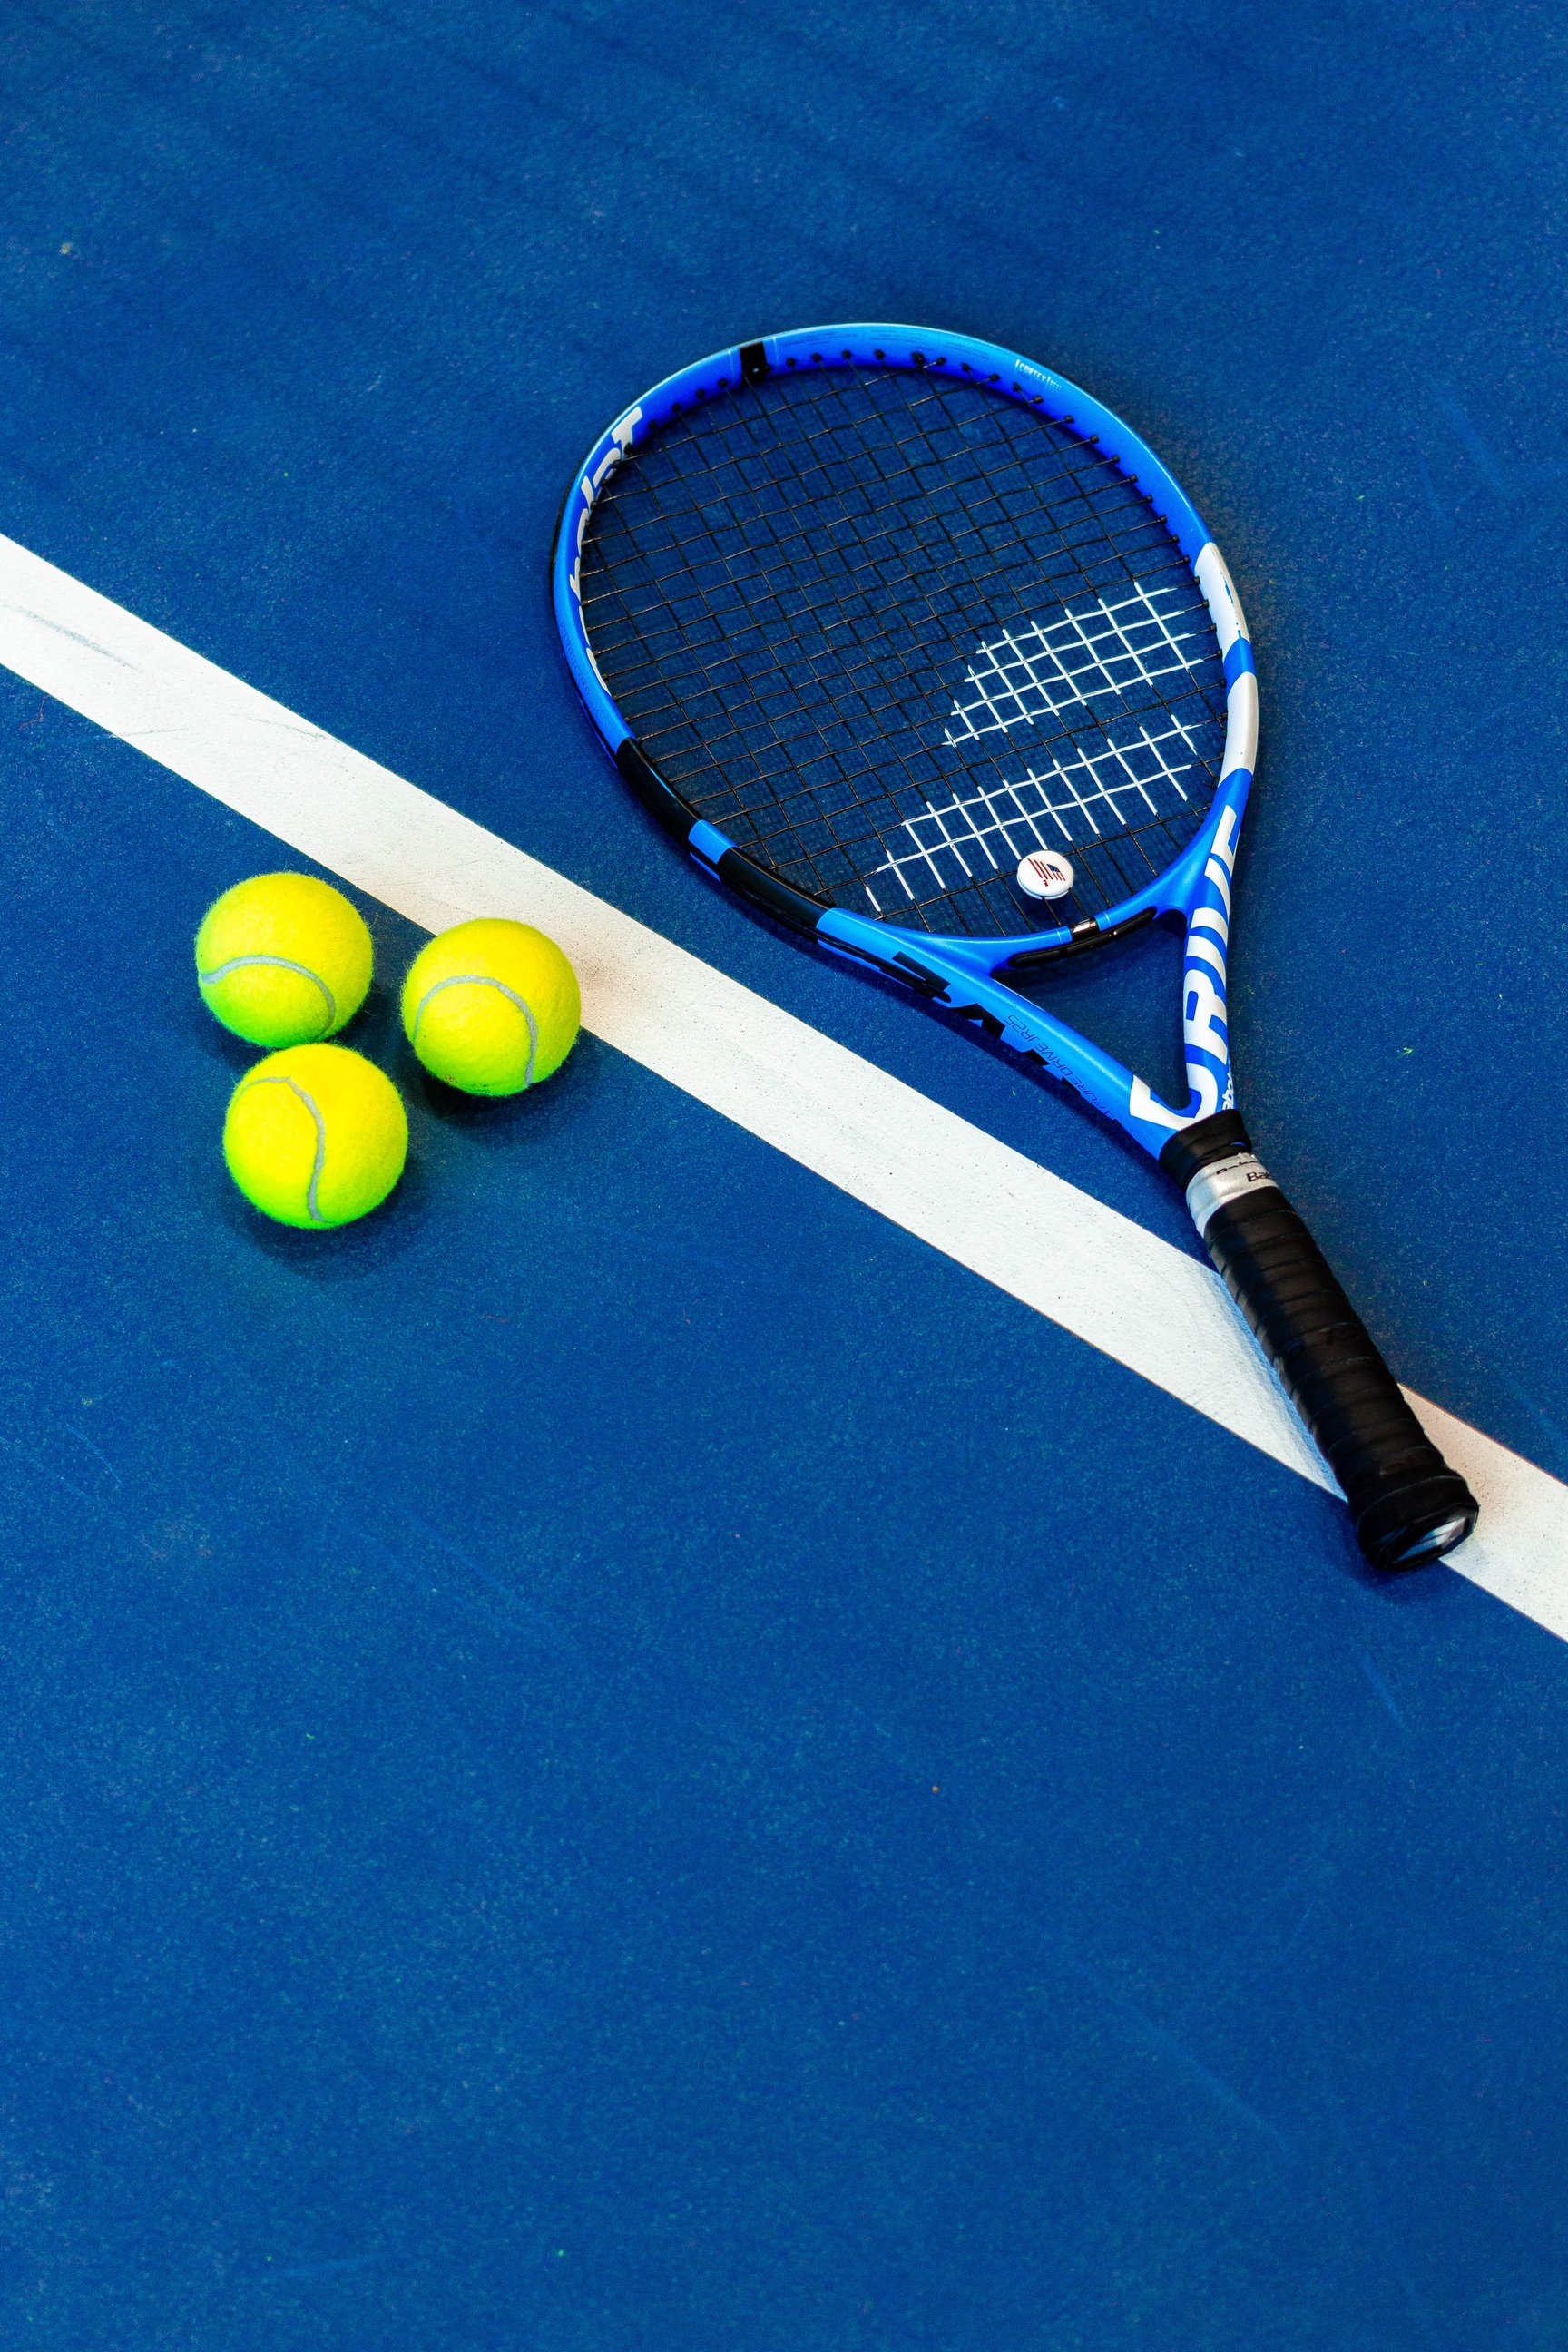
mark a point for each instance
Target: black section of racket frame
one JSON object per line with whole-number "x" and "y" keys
{"x": 799, "y": 912}
{"x": 740, "y": 873}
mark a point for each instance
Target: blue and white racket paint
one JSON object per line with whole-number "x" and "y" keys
{"x": 925, "y": 655}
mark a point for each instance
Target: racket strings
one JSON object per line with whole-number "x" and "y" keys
{"x": 1084, "y": 796}
{"x": 1043, "y": 671}
{"x": 705, "y": 533}
{"x": 1024, "y": 812}
{"x": 891, "y": 633}
{"x": 876, "y": 520}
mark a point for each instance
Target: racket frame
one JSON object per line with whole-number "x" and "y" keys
{"x": 966, "y": 976}
{"x": 1408, "y": 1506}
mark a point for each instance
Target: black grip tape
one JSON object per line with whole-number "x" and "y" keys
{"x": 1407, "y": 1505}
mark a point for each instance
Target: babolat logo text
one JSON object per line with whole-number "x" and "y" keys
{"x": 1205, "y": 1029}
{"x": 617, "y": 441}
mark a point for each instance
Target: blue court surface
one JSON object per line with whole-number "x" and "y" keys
{"x": 632, "y": 1756}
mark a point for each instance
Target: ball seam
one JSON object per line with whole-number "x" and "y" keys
{"x": 274, "y": 963}
{"x": 313, "y": 1209}
{"x": 481, "y": 979}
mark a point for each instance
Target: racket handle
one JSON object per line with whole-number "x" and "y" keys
{"x": 1407, "y": 1505}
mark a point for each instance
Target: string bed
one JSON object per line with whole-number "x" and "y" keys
{"x": 890, "y": 632}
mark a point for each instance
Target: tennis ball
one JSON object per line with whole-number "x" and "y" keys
{"x": 491, "y": 1006}
{"x": 283, "y": 958}
{"x": 315, "y": 1136}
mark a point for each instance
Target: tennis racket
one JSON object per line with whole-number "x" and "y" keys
{"x": 926, "y": 657}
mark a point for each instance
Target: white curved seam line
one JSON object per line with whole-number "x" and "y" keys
{"x": 313, "y": 1209}
{"x": 483, "y": 979}
{"x": 272, "y": 964}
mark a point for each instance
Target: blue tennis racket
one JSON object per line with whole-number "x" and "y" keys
{"x": 924, "y": 655}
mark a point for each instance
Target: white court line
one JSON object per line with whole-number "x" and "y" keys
{"x": 1099, "y": 1275}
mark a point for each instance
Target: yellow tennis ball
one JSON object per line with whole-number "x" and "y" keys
{"x": 491, "y": 1006}
{"x": 315, "y": 1136}
{"x": 283, "y": 958}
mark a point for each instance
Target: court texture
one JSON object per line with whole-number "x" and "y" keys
{"x": 741, "y": 1725}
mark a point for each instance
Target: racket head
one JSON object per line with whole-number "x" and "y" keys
{"x": 877, "y": 619}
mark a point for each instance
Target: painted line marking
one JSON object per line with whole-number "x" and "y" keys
{"x": 1098, "y": 1274}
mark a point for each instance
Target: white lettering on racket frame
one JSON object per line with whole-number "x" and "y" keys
{"x": 1148, "y": 1305}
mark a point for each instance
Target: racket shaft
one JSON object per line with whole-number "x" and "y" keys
{"x": 1408, "y": 1506}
